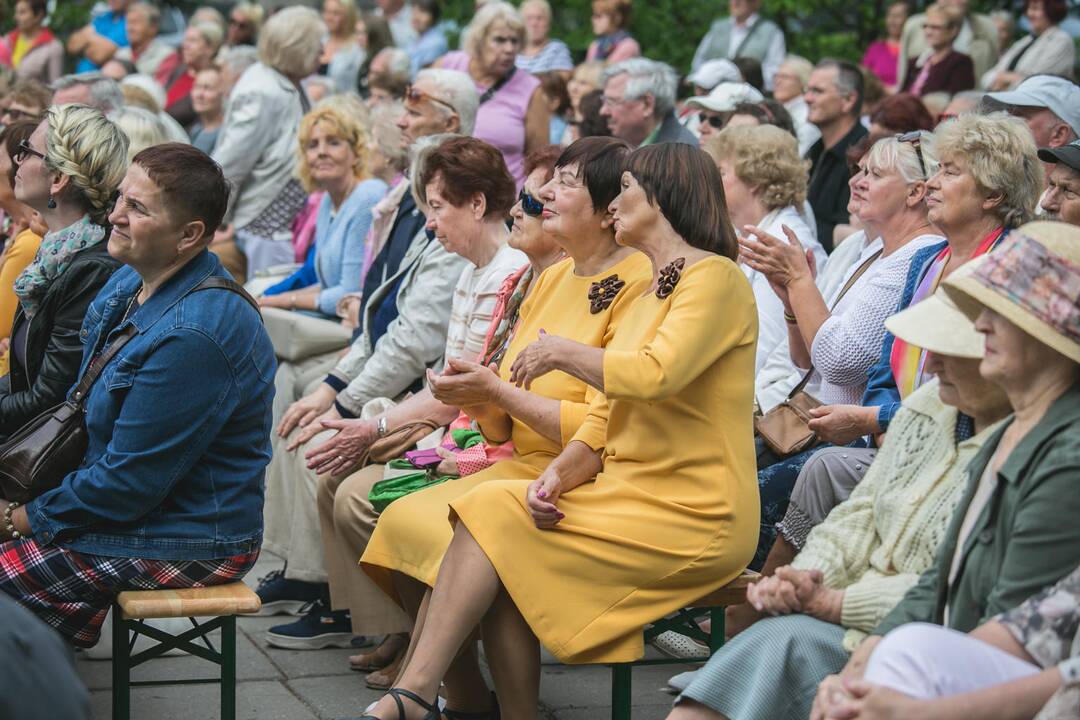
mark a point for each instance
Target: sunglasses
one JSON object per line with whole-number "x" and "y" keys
{"x": 26, "y": 149}
{"x": 717, "y": 121}
{"x": 414, "y": 96}
{"x": 914, "y": 138}
{"x": 530, "y": 205}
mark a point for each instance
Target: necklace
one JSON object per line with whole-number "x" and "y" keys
{"x": 131, "y": 304}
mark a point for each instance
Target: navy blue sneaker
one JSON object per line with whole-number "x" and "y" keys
{"x": 286, "y": 597}
{"x": 318, "y": 628}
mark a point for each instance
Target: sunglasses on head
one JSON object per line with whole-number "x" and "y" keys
{"x": 914, "y": 138}
{"x": 530, "y": 205}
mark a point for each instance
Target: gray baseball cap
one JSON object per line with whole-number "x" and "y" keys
{"x": 1060, "y": 96}
{"x": 1068, "y": 155}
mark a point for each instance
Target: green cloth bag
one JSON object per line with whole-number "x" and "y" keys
{"x": 403, "y": 478}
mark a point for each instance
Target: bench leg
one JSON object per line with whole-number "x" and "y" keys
{"x": 621, "y": 682}
{"x": 121, "y": 670}
{"x": 228, "y": 668}
{"x": 716, "y": 629}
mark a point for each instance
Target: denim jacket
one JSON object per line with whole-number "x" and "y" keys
{"x": 178, "y": 423}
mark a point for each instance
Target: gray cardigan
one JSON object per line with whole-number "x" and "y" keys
{"x": 257, "y": 145}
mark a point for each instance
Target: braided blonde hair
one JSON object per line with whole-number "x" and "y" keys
{"x": 91, "y": 150}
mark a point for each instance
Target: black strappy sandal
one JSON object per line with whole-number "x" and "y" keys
{"x": 492, "y": 714}
{"x": 397, "y": 694}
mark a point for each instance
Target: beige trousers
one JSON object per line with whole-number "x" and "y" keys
{"x": 290, "y": 516}
{"x": 348, "y": 520}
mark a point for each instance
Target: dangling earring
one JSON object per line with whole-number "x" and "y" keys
{"x": 52, "y": 203}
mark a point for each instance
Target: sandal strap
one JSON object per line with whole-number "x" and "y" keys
{"x": 398, "y": 693}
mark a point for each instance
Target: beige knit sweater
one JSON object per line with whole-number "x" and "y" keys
{"x": 875, "y": 545}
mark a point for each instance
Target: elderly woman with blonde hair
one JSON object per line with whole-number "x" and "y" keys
{"x": 342, "y": 56}
{"x": 245, "y": 21}
{"x": 514, "y": 115}
{"x": 333, "y": 158}
{"x": 765, "y": 184}
{"x": 256, "y": 148}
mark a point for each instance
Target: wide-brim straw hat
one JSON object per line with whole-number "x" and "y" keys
{"x": 1032, "y": 280}
{"x": 938, "y": 325}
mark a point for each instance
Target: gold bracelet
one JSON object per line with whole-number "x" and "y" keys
{"x": 790, "y": 319}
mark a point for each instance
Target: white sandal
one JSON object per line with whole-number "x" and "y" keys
{"x": 680, "y": 647}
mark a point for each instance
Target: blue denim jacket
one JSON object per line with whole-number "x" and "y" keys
{"x": 179, "y": 427}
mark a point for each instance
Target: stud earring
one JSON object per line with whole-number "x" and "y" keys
{"x": 52, "y": 203}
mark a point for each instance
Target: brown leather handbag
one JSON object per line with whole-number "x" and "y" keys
{"x": 395, "y": 444}
{"x": 786, "y": 428}
{"x": 43, "y": 452}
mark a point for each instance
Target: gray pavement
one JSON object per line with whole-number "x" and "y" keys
{"x": 275, "y": 684}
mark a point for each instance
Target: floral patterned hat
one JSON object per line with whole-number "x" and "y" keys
{"x": 1032, "y": 280}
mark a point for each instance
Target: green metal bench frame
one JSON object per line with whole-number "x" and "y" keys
{"x": 682, "y": 622}
{"x": 124, "y": 661}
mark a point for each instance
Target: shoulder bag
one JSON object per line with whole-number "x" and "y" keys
{"x": 43, "y": 452}
{"x": 785, "y": 429}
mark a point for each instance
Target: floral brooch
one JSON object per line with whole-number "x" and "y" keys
{"x": 603, "y": 293}
{"x": 669, "y": 277}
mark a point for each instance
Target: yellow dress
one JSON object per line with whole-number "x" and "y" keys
{"x": 412, "y": 534}
{"x": 674, "y": 513}
{"x": 20, "y": 253}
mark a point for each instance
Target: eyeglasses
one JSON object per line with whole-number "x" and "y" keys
{"x": 414, "y": 96}
{"x": 26, "y": 149}
{"x": 530, "y": 205}
{"x": 915, "y": 139}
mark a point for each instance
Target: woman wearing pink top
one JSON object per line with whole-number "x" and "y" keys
{"x": 613, "y": 43}
{"x": 882, "y": 56}
{"x": 513, "y": 114}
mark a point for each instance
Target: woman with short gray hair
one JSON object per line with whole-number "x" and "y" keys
{"x": 256, "y": 148}
{"x": 514, "y": 114}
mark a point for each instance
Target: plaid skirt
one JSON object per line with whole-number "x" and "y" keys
{"x": 73, "y": 591}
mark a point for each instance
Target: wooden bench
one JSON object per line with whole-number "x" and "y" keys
{"x": 222, "y": 603}
{"x": 685, "y": 623}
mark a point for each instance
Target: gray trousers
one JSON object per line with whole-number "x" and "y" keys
{"x": 826, "y": 480}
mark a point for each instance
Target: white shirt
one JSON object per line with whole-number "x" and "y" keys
{"x": 806, "y": 131}
{"x": 772, "y": 328}
{"x": 774, "y": 56}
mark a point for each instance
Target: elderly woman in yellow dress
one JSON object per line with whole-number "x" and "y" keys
{"x": 654, "y": 502}
{"x": 583, "y": 297}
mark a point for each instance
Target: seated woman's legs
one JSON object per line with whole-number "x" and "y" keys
{"x": 513, "y": 654}
{"x": 465, "y": 590}
{"x": 929, "y": 661}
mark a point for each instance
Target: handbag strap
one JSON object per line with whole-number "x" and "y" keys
{"x": 94, "y": 370}
{"x": 859, "y": 272}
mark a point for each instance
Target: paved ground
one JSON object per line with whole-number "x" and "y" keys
{"x": 305, "y": 685}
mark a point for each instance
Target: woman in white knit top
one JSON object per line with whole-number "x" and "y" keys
{"x": 859, "y": 563}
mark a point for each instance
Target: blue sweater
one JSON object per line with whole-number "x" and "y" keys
{"x": 338, "y": 248}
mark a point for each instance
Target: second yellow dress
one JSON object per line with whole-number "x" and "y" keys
{"x": 412, "y": 534}
{"x": 674, "y": 513}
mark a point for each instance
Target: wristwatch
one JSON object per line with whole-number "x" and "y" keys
{"x": 383, "y": 430}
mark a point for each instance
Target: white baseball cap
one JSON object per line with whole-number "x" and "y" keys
{"x": 1060, "y": 96}
{"x": 714, "y": 72}
{"x": 725, "y": 96}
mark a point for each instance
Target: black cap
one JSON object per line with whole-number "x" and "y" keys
{"x": 1066, "y": 155}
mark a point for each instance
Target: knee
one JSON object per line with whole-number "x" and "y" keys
{"x": 907, "y": 656}
{"x": 687, "y": 709}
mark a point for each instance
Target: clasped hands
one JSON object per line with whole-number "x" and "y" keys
{"x": 796, "y": 591}
{"x": 782, "y": 263}
{"x": 464, "y": 384}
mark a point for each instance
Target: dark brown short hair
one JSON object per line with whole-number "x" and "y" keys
{"x": 1055, "y": 10}
{"x": 901, "y": 113}
{"x": 468, "y": 166}
{"x": 684, "y": 183}
{"x": 12, "y": 136}
{"x": 37, "y": 7}
{"x": 543, "y": 159}
{"x": 600, "y": 163}
{"x": 30, "y": 92}
{"x": 191, "y": 184}
{"x": 553, "y": 84}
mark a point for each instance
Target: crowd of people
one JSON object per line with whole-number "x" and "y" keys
{"x": 533, "y": 353}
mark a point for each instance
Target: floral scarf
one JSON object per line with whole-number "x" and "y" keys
{"x": 504, "y": 318}
{"x": 53, "y": 257}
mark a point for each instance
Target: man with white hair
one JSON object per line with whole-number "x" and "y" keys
{"x": 93, "y": 89}
{"x": 401, "y": 314}
{"x": 639, "y": 103}
{"x": 1049, "y": 105}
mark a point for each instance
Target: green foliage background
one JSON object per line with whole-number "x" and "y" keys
{"x": 668, "y": 30}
